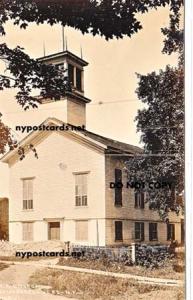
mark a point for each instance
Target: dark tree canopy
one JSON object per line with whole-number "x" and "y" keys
{"x": 162, "y": 132}
{"x": 31, "y": 74}
{"x": 107, "y": 18}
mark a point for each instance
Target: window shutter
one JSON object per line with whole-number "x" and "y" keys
{"x": 81, "y": 230}
{"x": 28, "y": 231}
{"x": 137, "y": 230}
{"x": 155, "y": 230}
{"x": 30, "y": 190}
{"x": 25, "y": 190}
{"x": 150, "y": 232}
{"x": 118, "y": 231}
{"x": 168, "y": 232}
{"x": 142, "y": 200}
{"x": 136, "y": 196}
{"x": 118, "y": 191}
{"x": 142, "y": 231}
{"x": 173, "y": 234}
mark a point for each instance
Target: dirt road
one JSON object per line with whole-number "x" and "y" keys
{"x": 14, "y": 285}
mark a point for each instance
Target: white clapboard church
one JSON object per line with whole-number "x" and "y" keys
{"x": 65, "y": 194}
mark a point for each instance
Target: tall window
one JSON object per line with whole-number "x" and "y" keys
{"x": 118, "y": 231}
{"x": 27, "y": 231}
{"x": 81, "y": 230}
{"x": 27, "y": 193}
{"x": 170, "y": 232}
{"x": 118, "y": 190}
{"x": 71, "y": 74}
{"x": 139, "y": 200}
{"x": 81, "y": 198}
{"x": 153, "y": 232}
{"x": 78, "y": 79}
{"x": 139, "y": 231}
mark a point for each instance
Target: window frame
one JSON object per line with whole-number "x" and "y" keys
{"x": 170, "y": 233}
{"x": 28, "y": 203}
{"x": 141, "y": 231}
{"x": 152, "y": 232}
{"x": 82, "y": 199}
{"x": 139, "y": 200}
{"x": 118, "y": 231}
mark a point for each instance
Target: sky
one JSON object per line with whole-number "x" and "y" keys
{"x": 110, "y": 77}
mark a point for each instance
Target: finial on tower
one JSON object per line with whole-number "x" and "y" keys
{"x": 66, "y": 44}
{"x": 63, "y": 39}
{"x": 44, "y": 49}
{"x": 81, "y": 52}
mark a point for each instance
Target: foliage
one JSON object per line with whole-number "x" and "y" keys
{"x": 6, "y": 138}
{"x": 152, "y": 257}
{"x": 29, "y": 74}
{"x": 108, "y": 18}
{"x": 162, "y": 126}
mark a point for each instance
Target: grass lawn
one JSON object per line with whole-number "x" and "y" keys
{"x": 91, "y": 287}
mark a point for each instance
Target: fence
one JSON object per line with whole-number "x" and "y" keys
{"x": 134, "y": 254}
{"x": 119, "y": 254}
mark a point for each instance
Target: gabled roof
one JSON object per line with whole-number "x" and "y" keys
{"x": 113, "y": 146}
{"x": 109, "y": 146}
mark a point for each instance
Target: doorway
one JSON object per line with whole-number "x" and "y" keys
{"x": 54, "y": 230}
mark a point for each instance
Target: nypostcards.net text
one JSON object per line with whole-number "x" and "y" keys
{"x": 64, "y": 127}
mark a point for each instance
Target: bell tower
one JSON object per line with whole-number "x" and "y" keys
{"x": 74, "y": 101}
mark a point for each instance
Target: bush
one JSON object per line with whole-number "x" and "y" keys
{"x": 152, "y": 256}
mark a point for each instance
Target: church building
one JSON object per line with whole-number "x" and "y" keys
{"x": 65, "y": 194}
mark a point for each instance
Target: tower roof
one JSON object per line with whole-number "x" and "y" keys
{"x": 63, "y": 55}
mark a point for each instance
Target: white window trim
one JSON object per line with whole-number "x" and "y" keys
{"x": 81, "y": 173}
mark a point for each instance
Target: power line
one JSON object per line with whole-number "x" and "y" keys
{"x": 112, "y": 102}
{"x": 144, "y": 128}
{"x": 89, "y": 104}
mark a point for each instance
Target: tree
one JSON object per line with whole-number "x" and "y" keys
{"x": 162, "y": 128}
{"x": 161, "y": 125}
{"x": 108, "y": 18}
